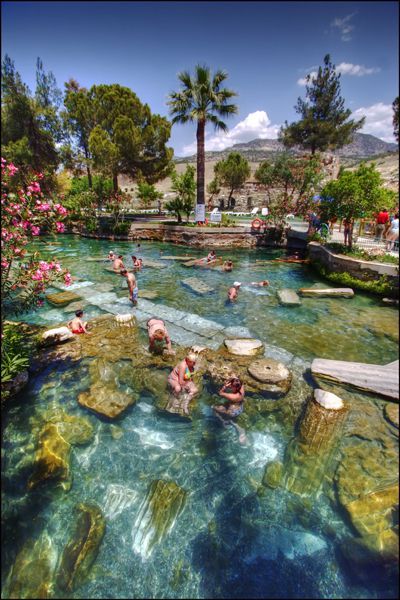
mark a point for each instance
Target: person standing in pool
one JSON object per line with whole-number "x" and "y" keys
{"x": 228, "y": 265}
{"x": 233, "y": 291}
{"x": 132, "y": 285}
{"x": 118, "y": 264}
{"x": 233, "y": 392}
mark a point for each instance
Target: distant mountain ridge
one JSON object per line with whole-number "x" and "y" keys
{"x": 364, "y": 145}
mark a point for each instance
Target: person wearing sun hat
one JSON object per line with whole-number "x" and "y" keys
{"x": 180, "y": 377}
{"x": 233, "y": 291}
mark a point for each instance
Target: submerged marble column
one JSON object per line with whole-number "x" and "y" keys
{"x": 308, "y": 456}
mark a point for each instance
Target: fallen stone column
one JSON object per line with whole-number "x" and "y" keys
{"x": 309, "y": 455}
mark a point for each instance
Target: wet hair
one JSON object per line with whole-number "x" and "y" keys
{"x": 120, "y": 256}
{"x": 79, "y": 313}
{"x": 159, "y": 333}
{"x": 123, "y": 271}
{"x": 133, "y": 257}
{"x": 235, "y": 382}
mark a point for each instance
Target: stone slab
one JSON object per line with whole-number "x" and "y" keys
{"x": 62, "y": 298}
{"x": 197, "y": 286}
{"x": 378, "y": 379}
{"x": 154, "y": 264}
{"x": 237, "y": 332}
{"x": 201, "y": 326}
{"x": 180, "y": 258}
{"x": 327, "y": 292}
{"x": 288, "y": 297}
{"x": 148, "y": 294}
{"x": 244, "y": 347}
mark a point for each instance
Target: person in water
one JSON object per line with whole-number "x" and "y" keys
{"x": 180, "y": 377}
{"x": 136, "y": 262}
{"x": 228, "y": 265}
{"x": 233, "y": 392}
{"x": 111, "y": 255}
{"x": 233, "y": 291}
{"x": 76, "y": 325}
{"x": 211, "y": 256}
{"x": 132, "y": 285}
{"x": 260, "y": 283}
{"x": 118, "y": 263}
{"x": 158, "y": 336}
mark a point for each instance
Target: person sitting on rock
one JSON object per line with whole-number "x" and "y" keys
{"x": 211, "y": 256}
{"x": 233, "y": 291}
{"x": 118, "y": 264}
{"x": 260, "y": 283}
{"x": 228, "y": 265}
{"x": 180, "y": 379}
{"x": 233, "y": 392}
{"x": 76, "y": 325}
{"x": 132, "y": 286}
{"x": 136, "y": 262}
{"x": 158, "y": 336}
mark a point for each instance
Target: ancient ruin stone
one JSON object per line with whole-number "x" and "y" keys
{"x": 327, "y": 292}
{"x": 288, "y": 297}
{"x": 197, "y": 285}
{"x": 273, "y": 474}
{"x": 244, "y": 347}
{"x": 52, "y": 458}
{"x": 328, "y": 400}
{"x": 62, "y": 298}
{"x": 82, "y": 548}
{"x": 392, "y": 414}
{"x": 106, "y": 400}
{"x": 372, "y": 513}
{"x": 57, "y": 336}
{"x": 160, "y": 509}
{"x": 148, "y": 294}
{"x": 275, "y": 376}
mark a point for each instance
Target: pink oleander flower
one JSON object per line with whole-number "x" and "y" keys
{"x": 43, "y": 265}
{"x": 12, "y": 169}
{"x": 37, "y": 276}
{"x": 34, "y": 187}
{"x": 43, "y": 206}
{"x": 40, "y": 302}
{"x": 67, "y": 279}
{"x": 60, "y": 209}
{"x": 35, "y": 230}
{"x": 60, "y": 227}
{"x": 4, "y": 263}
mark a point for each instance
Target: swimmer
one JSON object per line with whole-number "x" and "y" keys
{"x": 132, "y": 285}
{"x": 233, "y": 291}
{"x": 180, "y": 378}
{"x": 228, "y": 265}
{"x": 158, "y": 336}
{"x": 136, "y": 262}
{"x": 233, "y": 392}
{"x": 211, "y": 256}
{"x": 260, "y": 283}
{"x": 111, "y": 255}
{"x": 118, "y": 264}
{"x": 76, "y": 325}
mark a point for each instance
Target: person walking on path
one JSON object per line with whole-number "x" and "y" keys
{"x": 381, "y": 220}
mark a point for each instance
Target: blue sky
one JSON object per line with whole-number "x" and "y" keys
{"x": 267, "y": 48}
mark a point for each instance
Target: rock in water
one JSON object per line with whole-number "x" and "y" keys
{"x": 244, "y": 347}
{"x": 126, "y": 320}
{"x": 106, "y": 400}
{"x": 148, "y": 294}
{"x": 271, "y": 372}
{"x": 81, "y": 550}
{"x": 52, "y": 458}
{"x": 197, "y": 286}
{"x": 288, "y": 297}
{"x": 327, "y": 292}
{"x": 118, "y": 497}
{"x": 160, "y": 509}
{"x": 57, "y": 335}
{"x": 62, "y": 298}
{"x": 392, "y": 414}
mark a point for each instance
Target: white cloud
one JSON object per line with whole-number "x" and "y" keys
{"x": 378, "y": 122}
{"x": 255, "y": 125}
{"x": 345, "y": 69}
{"x": 344, "y": 26}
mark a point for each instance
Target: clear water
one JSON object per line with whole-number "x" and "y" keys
{"x": 229, "y": 540}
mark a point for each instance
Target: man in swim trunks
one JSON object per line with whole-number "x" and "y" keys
{"x": 158, "y": 336}
{"x": 136, "y": 262}
{"x": 132, "y": 286}
{"x": 180, "y": 378}
{"x": 233, "y": 391}
{"x": 228, "y": 265}
{"x": 233, "y": 291}
{"x": 76, "y": 325}
{"x": 118, "y": 264}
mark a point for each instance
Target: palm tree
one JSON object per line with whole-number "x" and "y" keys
{"x": 201, "y": 99}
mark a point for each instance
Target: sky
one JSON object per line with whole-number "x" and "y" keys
{"x": 267, "y": 49}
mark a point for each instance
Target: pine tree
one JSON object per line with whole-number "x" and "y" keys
{"x": 324, "y": 123}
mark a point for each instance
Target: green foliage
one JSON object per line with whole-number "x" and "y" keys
{"x": 232, "y": 172}
{"x": 91, "y": 224}
{"x": 14, "y": 352}
{"x": 102, "y": 187}
{"x": 324, "y": 123}
{"x": 395, "y": 107}
{"x": 213, "y": 188}
{"x": 122, "y": 228}
{"x": 148, "y": 194}
{"x": 226, "y": 221}
{"x": 289, "y": 183}
{"x": 380, "y": 286}
{"x": 202, "y": 100}
{"x": 375, "y": 255}
{"x": 184, "y": 186}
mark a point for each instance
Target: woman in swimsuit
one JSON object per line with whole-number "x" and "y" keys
{"x": 158, "y": 336}
{"x": 234, "y": 407}
{"x": 77, "y": 325}
{"x": 180, "y": 377}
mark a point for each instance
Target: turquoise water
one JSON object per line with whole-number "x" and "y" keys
{"x": 229, "y": 540}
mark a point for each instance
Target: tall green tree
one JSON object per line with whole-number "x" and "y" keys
{"x": 213, "y": 188}
{"x": 324, "y": 123}
{"x": 127, "y": 137}
{"x": 26, "y": 139}
{"x": 184, "y": 186}
{"x": 395, "y": 107}
{"x": 147, "y": 194}
{"x": 232, "y": 172}
{"x": 202, "y": 100}
{"x": 79, "y": 121}
{"x": 48, "y": 98}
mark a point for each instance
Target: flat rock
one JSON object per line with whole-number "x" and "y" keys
{"x": 237, "y": 332}
{"x": 106, "y": 400}
{"x": 154, "y": 264}
{"x": 181, "y": 258}
{"x": 57, "y": 335}
{"x": 62, "y": 298}
{"x": 271, "y": 372}
{"x": 149, "y": 294}
{"x": 328, "y": 400}
{"x": 74, "y": 306}
{"x": 200, "y": 326}
{"x": 379, "y": 379}
{"x": 288, "y": 297}
{"x": 197, "y": 285}
{"x": 327, "y": 292}
{"x": 390, "y": 301}
{"x": 244, "y": 347}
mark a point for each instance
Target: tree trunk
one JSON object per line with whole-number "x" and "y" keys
{"x": 89, "y": 173}
{"x": 200, "y": 162}
{"x": 115, "y": 183}
{"x": 179, "y": 217}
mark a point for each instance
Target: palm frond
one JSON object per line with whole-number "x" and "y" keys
{"x": 218, "y": 124}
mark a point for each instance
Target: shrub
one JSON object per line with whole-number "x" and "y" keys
{"x": 14, "y": 353}
{"x": 380, "y": 286}
{"x": 122, "y": 228}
